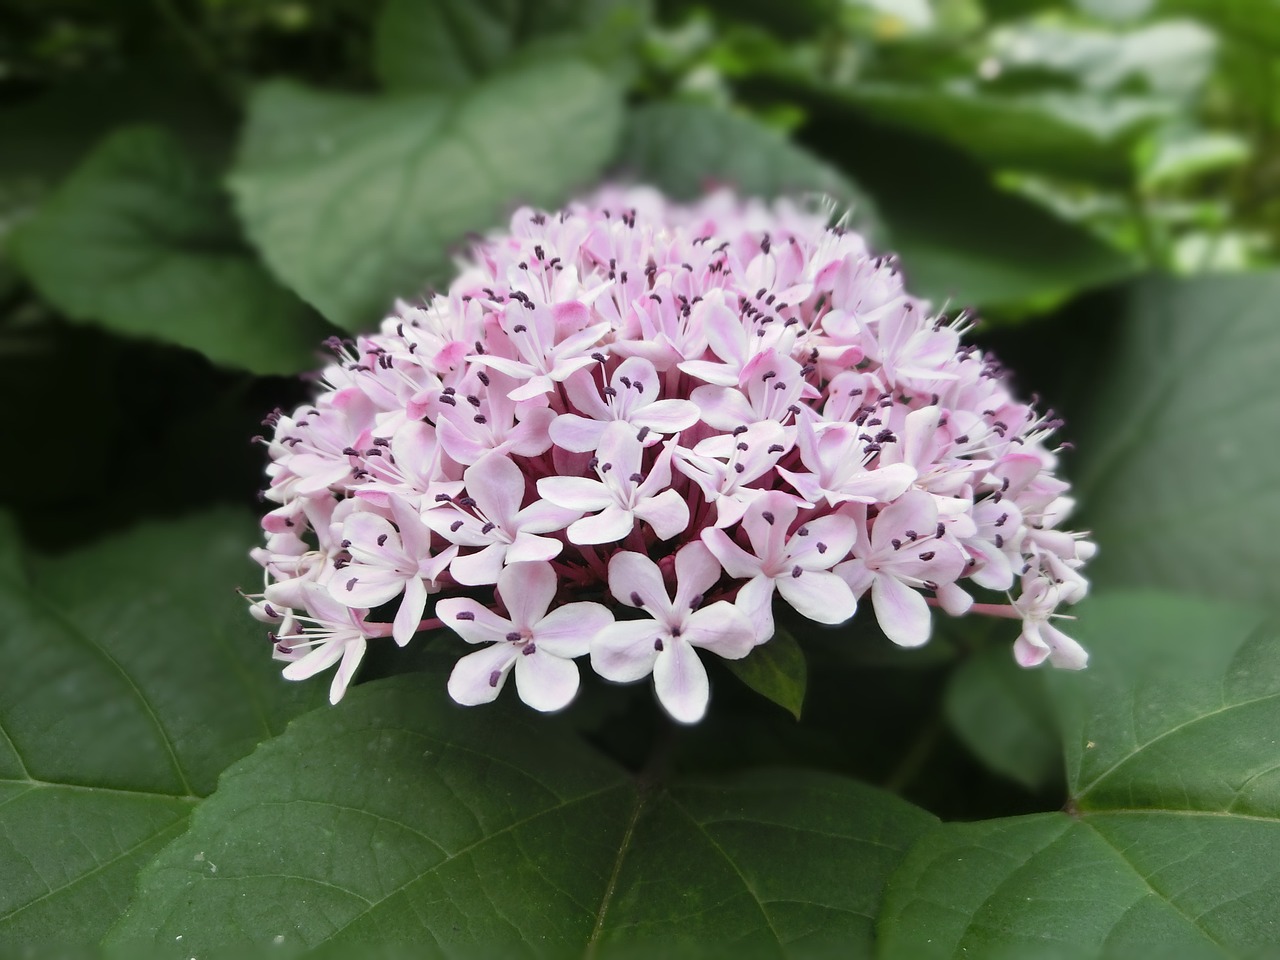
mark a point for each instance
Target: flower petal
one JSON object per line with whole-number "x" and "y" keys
{"x": 572, "y": 432}
{"x": 544, "y": 681}
{"x": 666, "y": 416}
{"x": 667, "y": 513}
{"x": 680, "y": 680}
{"x": 478, "y": 677}
{"x": 697, "y": 570}
{"x": 580, "y": 493}
{"x": 721, "y": 628}
{"x": 632, "y": 577}
{"x": 497, "y": 486}
{"x": 472, "y": 621}
{"x": 528, "y": 547}
{"x": 568, "y": 631}
{"x": 625, "y": 651}
{"x": 352, "y": 654}
{"x": 477, "y": 569}
{"x": 818, "y": 595}
{"x": 609, "y": 525}
{"x": 736, "y": 561}
{"x": 902, "y": 612}
{"x": 410, "y": 613}
{"x": 527, "y": 590}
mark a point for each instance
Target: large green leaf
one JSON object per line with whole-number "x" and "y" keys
{"x": 354, "y": 200}
{"x": 1172, "y": 839}
{"x": 684, "y": 148}
{"x": 1178, "y": 471}
{"x": 141, "y": 240}
{"x": 400, "y": 817}
{"x": 132, "y": 677}
{"x": 444, "y": 45}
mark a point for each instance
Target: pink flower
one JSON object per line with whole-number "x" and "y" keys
{"x": 663, "y": 643}
{"x": 622, "y": 495}
{"x": 489, "y": 516}
{"x": 390, "y": 560}
{"x": 731, "y": 400}
{"x": 541, "y": 646}
{"x": 1040, "y": 639}
{"x": 907, "y": 549}
{"x": 794, "y": 562}
{"x": 332, "y": 632}
{"x": 631, "y": 397}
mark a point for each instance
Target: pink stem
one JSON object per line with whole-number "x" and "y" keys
{"x": 1004, "y": 610}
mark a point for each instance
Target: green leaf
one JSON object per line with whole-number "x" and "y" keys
{"x": 1188, "y": 154}
{"x": 1181, "y": 484}
{"x": 142, "y": 241}
{"x": 132, "y": 677}
{"x": 399, "y": 817}
{"x": 450, "y": 45}
{"x": 1069, "y": 134}
{"x": 683, "y": 148}
{"x": 1253, "y": 21}
{"x": 355, "y": 200}
{"x": 775, "y": 670}
{"x": 1173, "y": 835}
{"x": 998, "y": 711}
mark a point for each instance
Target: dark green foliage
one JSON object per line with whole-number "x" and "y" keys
{"x": 191, "y": 191}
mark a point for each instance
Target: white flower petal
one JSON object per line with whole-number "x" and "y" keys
{"x": 680, "y": 680}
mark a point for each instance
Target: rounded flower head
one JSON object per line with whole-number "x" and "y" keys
{"x": 629, "y": 431}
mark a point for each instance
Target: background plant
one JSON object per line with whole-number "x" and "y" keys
{"x": 194, "y": 194}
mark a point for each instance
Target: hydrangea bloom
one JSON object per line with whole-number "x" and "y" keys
{"x": 630, "y": 429}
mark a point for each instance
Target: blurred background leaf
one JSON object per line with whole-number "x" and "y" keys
{"x": 449, "y": 45}
{"x": 141, "y": 240}
{"x": 354, "y": 201}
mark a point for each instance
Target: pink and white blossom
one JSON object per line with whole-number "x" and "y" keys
{"x": 540, "y": 644}
{"x": 664, "y": 642}
{"x": 689, "y": 416}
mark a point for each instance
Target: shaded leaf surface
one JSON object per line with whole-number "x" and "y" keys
{"x": 998, "y": 710}
{"x": 141, "y": 240}
{"x": 1068, "y": 134}
{"x": 686, "y": 148}
{"x": 960, "y": 238}
{"x": 474, "y": 832}
{"x": 444, "y": 45}
{"x": 133, "y": 678}
{"x": 354, "y": 200}
{"x": 1171, "y": 740}
{"x": 776, "y": 670}
{"x": 1181, "y": 489}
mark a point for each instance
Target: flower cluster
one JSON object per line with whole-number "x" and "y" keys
{"x": 631, "y": 428}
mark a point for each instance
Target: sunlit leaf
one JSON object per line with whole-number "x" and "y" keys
{"x": 687, "y": 148}
{"x": 354, "y": 200}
